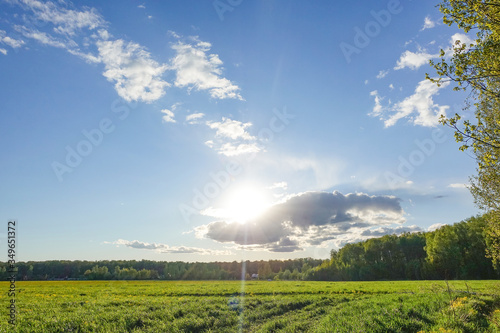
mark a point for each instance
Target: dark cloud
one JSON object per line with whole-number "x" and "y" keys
{"x": 244, "y": 234}
{"x": 285, "y": 245}
{"x": 346, "y": 226}
{"x": 309, "y": 218}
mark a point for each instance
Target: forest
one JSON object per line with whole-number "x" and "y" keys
{"x": 458, "y": 251}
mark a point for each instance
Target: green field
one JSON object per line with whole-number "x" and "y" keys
{"x": 277, "y": 306}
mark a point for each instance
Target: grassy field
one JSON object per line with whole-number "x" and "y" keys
{"x": 277, "y": 306}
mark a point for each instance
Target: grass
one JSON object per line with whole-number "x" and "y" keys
{"x": 277, "y": 306}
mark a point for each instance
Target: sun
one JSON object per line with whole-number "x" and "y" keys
{"x": 246, "y": 202}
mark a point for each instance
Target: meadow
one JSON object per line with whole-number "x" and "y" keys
{"x": 256, "y": 306}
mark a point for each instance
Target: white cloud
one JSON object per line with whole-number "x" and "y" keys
{"x": 280, "y": 185}
{"x": 163, "y": 248}
{"x": 194, "y": 117}
{"x": 435, "y": 226}
{"x": 377, "y": 108}
{"x": 391, "y": 86}
{"x": 168, "y": 117}
{"x": 44, "y": 38}
{"x": 66, "y": 21}
{"x": 176, "y": 105}
{"x": 142, "y": 6}
{"x": 421, "y": 104}
{"x": 104, "y": 34}
{"x": 419, "y": 107}
{"x": 88, "y": 57}
{"x": 14, "y": 43}
{"x": 458, "y": 186}
{"x": 232, "y": 138}
{"x": 231, "y": 149}
{"x": 197, "y": 69}
{"x": 3, "y": 51}
{"x": 136, "y": 75}
{"x": 231, "y": 129}
{"x": 173, "y": 34}
{"x": 428, "y": 23}
{"x": 382, "y": 74}
{"x": 68, "y": 44}
{"x": 462, "y": 39}
{"x": 217, "y": 213}
{"x": 414, "y": 60}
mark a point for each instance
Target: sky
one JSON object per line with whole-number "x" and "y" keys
{"x": 224, "y": 130}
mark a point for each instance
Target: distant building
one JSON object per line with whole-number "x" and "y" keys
{"x": 255, "y": 276}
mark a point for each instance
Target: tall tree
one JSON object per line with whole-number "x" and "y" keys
{"x": 476, "y": 67}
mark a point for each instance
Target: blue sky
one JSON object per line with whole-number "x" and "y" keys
{"x": 223, "y": 130}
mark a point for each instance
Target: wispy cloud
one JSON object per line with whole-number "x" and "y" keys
{"x": 164, "y": 248}
{"x": 44, "y": 38}
{"x": 428, "y": 23}
{"x": 194, "y": 118}
{"x": 14, "y": 43}
{"x": 168, "y": 116}
{"x": 132, "y": 69}
{"x": 231, "y": 149}
{"x": 382, "y": 74}
{"x": 458, "y": 186}
{"x": 377, "y": 108}
{"x": 279, "y": 185}
{"x": 66, "y": 21}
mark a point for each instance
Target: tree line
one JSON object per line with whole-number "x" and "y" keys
{"x": 157, "y": 270}
{"x": 458, "y": 251}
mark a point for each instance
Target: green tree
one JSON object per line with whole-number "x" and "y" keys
{"x": 443, "y": 252}
{"x": 265, "y": 271}
{"x": 476, "y": 67}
